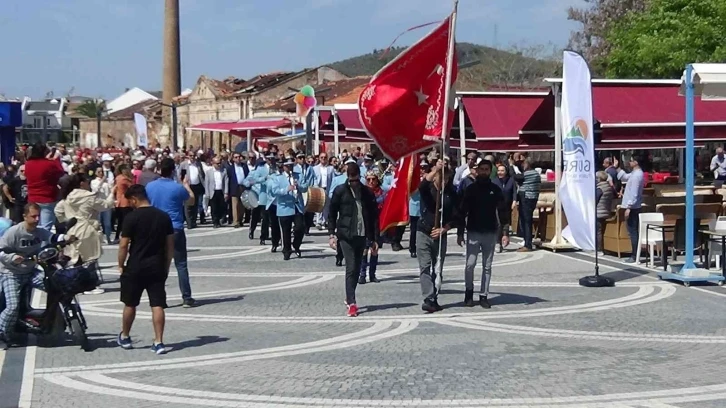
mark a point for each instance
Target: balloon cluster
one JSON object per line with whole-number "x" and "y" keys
{"x": 305, "y": 100}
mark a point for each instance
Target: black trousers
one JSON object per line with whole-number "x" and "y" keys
{"x": 218, "y": 206}
{"x": 274, "y": 222}
{"x": 259, "y": 215}
{"x": 292, "y": 237}
{"x": 413, "y": 222}
{"x": 121, "y": 213}
{"x": 309, "y": 221}
{"x": 338, "y": 252}
{"x": 193, "y": 210}
{"x": 353, "y": 253}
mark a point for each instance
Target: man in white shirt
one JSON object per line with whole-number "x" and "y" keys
{"x": 196, "y": 183}
{"x": 217, "y": 188}
{"x": 718, "y": 165}
{"x": 323, "y": 177}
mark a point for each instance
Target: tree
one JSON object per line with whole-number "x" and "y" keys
{"x": 668, "y": 35}
{"x": 598, "y": 19}
{"x": 90, "y": 108}
{"x": 520, "y": 67}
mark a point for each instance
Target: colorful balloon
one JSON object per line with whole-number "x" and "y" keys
{"x": 299, "y": 98}
{"x": 307, "y": 90}
{"x": 309, "y": 101}
{"x": 301, "y": 111}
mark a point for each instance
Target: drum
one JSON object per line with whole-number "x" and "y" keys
{"x": 314, "y": 200}
{"x": 249, "y": 199}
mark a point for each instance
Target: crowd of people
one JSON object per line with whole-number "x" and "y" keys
{"x": 271, "y": 190}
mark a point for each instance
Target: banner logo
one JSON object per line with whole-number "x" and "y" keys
{"x": 575, "y": 141}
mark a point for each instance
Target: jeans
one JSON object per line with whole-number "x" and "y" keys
{"x": 104, "y": 217}
{"x": 526, "y": 213}
{"x": 353, "y": 253}
{"x": 428, "y": 254}
{"x": 47, "y": 215}
{"x": 476, "y": 242}
{"x": 180, "y": 262}
{"x": 633, "y": 226}
{"x": 12, "y": 286}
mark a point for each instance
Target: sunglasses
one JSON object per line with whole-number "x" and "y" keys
{"x": 371, "y": 179}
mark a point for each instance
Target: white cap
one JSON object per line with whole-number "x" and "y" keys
{"x": 106, "y": 157}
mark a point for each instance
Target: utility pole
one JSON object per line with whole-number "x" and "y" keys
{"x": 175, "y": 122}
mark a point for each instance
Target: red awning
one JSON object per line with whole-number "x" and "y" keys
{"x": 502, "y": 116}
{"x": 638, "y": 113}
{"x": 242, "y": 125}
{"x": 256, "y": 133}
{"x": 350, "y": 119}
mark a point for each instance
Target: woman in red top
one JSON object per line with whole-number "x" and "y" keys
{"x": 124, "y": 180}
{"x": 42, "y": 175}
{"x": 373, "y": 181}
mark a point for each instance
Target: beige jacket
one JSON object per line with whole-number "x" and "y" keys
{"x": 85, "y": 207}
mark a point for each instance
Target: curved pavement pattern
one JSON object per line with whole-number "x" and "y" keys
{"x": 269, "y": 333}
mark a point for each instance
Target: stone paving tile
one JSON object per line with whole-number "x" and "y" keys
{"x": 430, "y": 361}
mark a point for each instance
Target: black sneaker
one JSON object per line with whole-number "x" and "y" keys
{"x": 469, "y": 298}
{"x": 429, "y": 306}
{"x": 373, "y": 279}
{"x": 413, "y": 254}
{"x": 396, "y": 247}
{"x": 338, "y": 262}
{"x": 438, "y": 306}
{"x": 483, "y": 302}
{"x": 188, "y": 303}
{"x": 298, "y": 253}
{"x": 362, "y": 280}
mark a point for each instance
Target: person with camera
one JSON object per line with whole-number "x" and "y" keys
{"x": 16, "y": 271}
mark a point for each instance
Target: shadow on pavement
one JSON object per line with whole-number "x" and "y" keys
{"x": 374, "y": 308}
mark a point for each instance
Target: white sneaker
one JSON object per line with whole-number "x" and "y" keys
{"x": 96, "y": 291}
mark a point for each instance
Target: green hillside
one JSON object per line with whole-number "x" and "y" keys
{"x": 497, "y": 69}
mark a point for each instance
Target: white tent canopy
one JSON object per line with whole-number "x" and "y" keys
{"x": 709, "y": 81}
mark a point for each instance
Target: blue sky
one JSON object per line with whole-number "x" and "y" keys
{"x": 100, "y": 47}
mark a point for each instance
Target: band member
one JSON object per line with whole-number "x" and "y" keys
{"x": 288, "y": 188}
{"x": 373, "y": 181}
{"x": 305, "y": 172}
{"x": 338, "y": 180}
{"x": 271, "y": 205}
{"x": 257, "y": 182}
{"x": 367, "y": 164}
{"x": 387, "y": 173}
{"x": 353, "y": 220}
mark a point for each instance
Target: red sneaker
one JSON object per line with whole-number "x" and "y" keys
{"x": 352, "y": 310}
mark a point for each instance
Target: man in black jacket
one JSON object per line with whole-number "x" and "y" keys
{"x": 431, "y": 233}
{"x": 479, "y": 213}
{"x": 353, "y": 219}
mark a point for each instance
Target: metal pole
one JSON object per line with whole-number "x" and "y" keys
{"x": 316, "y": 123}
{"x": 175, "y": 127}
{"x": 44, "y": 132}
{"x": 308, "y": 126}
{"x": 98, "y": 127}
{"x": 249, "y": 140}
{"x": 335, "y": 132}
{"x": 689, "y": 167}
{"x": 557, "y": 239}
{"x": 462, "y": 129}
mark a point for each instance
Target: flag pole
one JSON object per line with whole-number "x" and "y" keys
{"x": 445, "y": 130}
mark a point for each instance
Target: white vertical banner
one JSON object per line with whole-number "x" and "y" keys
{"x": 577, "y": 189}
{"x": 142, "y": 138}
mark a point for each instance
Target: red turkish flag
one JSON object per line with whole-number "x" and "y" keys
{"x": 402, "y": 108}
{"x": 406, "y": 179}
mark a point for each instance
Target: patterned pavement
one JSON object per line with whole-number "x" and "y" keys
{"x": 269, "y": 333}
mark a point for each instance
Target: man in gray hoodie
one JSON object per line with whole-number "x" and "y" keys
{"x": 22, "y": 239}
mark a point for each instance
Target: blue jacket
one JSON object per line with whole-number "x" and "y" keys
{"x": 414, "y": 204}
{"x": 307, "y": 174}
{"x": 257, "y": 182}
{"x": 286, "y": 201}
{"x": 270, "y": 183}
{"x": 337, "y": 180}
{"x": 387, "y": 181}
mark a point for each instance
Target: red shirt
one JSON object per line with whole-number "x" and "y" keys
{"x": 43, "y": 175}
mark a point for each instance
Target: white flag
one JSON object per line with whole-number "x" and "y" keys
{"x": 141, "y": 130}
{"x": 577, "y": 191}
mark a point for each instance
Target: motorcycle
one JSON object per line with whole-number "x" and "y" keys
{"x": 62, "y": 283}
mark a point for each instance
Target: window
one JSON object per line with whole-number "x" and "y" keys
{"x": 47, "y": 121}
{"x": 37, "y": 122}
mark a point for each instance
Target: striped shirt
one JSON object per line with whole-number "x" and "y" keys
{"x": 530, "y": 186}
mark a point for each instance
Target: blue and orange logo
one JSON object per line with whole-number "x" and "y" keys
{"x": 576, "y": 139}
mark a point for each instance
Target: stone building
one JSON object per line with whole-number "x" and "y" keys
{"x": 118, "y": 128}
{"x": 236, "y": 99}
